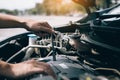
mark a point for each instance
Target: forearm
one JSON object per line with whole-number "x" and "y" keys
{"x": 5, "y": 68}
{"x": 10, "y": 21}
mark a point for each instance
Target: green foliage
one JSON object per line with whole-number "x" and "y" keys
{"x": 37, "y": 10}
{"x": 14, "y": 12}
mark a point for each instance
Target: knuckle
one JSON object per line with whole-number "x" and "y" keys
{"x": 47, "y": 66}
{"x": 45, "y": 22}
{"x": 32, "y": 60}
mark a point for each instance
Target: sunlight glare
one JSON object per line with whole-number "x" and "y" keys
{"x": 66, "y": 1}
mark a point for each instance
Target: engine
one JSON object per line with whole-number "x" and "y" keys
{"x": 70, "y": 57}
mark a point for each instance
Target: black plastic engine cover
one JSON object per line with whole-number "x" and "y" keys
{"x": 67, "y": 66}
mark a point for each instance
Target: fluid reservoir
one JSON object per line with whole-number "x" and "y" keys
{"x": 32, "y": 39}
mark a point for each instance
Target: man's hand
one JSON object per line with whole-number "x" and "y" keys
{"x": 27, "y": 68}
{"x": 39, "y": 28}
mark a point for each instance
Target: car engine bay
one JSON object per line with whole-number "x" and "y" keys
{"x": 70, "y": 57}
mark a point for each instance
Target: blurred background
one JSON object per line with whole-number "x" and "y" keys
{"x": 49, "y": 7}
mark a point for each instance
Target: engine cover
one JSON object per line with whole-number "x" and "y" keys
{"x": 65, "y": 67}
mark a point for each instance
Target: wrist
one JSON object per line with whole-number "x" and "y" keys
{"x": 28, "y": 24}
{"x": 5, "y": 69}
